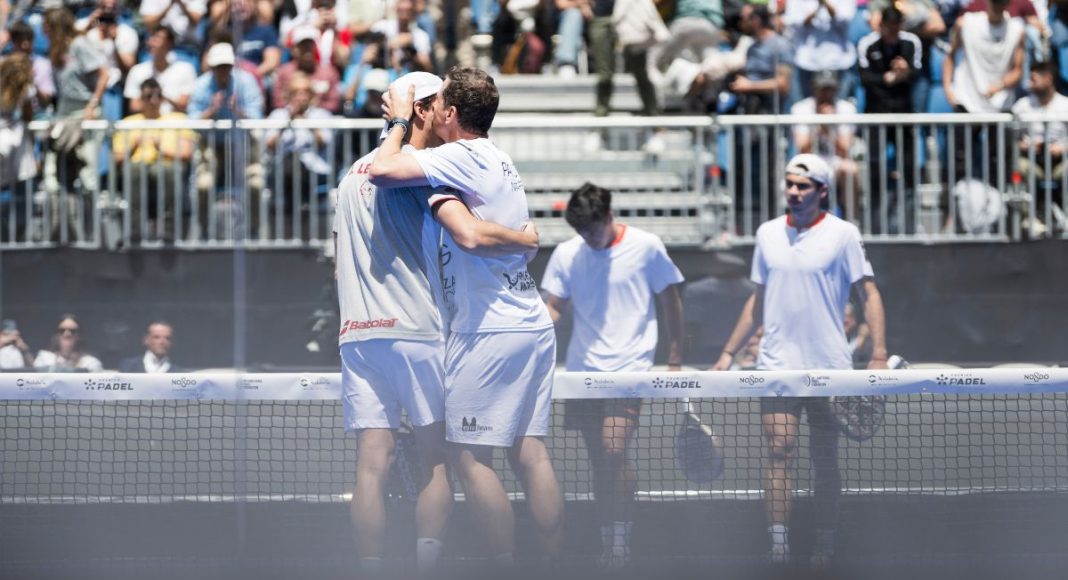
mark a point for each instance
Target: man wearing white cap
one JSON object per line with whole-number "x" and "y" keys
{"x": 804, "y": 265}
{"x": 391, "y": 340}
{"x": 324, "y": 77}
{"x": 501, "y": 349}
{"x": 225, "y": 92}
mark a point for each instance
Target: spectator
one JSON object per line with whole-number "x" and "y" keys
{"x": 324, "y": 16}
{"x": 225, "y": 92}
{"x": 923, "y": 19}
{"x": 373, "y": 63}
{"x": 573, "y": 15}
{"x": 68, "y": 350}
{"x": 890, "y": 63}
{"x": 258, "y": 42}
{"x": 362, "y": 15}
{"x": 82, "y": 77}
{"x": 820, "y": 33}
{"x": 14, "y": 352}
{"x": 639, "y": 28}
{"x": 117, "y": 40}
{"x": 324, "y": 77}
{"x": 181, "y": 16}
{"x": 761, "y": 89}
{"x": 154, "y": 161}
{"x": 158, "y": 339}
{"x": 227, "y": 166}
{"x": 1043, "y": 138}
{"x": 177, "y": 77}
{"x": 17, "y": 163}
{"x": 991, "y": 47}
{"x": 695, "y": 30}
{"x": 44, "y": 84}
{"x": 832, "y": 143}
{"x": 409, "y": 46}
{"x": 298, "y": 149}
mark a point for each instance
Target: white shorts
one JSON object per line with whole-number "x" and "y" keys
{"x": 498, "y": 386}
{"x": 380, "y": 377}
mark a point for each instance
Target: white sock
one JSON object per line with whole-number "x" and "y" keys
{"x": 428, "y": 554}
{"x": 779, "y": 534}
{"x": 372, "y": 565}
{"x": 607, "y": 536}
{"x": 621, "y": 534}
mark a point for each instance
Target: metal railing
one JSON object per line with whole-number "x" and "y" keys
{"x": 692, "y": 180}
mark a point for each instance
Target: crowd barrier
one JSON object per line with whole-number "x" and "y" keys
{"x": 695, "y": 181}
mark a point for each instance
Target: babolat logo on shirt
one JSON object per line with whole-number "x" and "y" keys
{"x": 367, "y": 324}
{"x": 472, "y": 426}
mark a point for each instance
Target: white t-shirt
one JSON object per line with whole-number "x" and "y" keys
{"x": 613, "y": 299}
{"x": 390, "y": 28}
{"x": 176, "y": 80}
{"x": 11, "y": 358}
{"x": 387, "y": 261}
{"x": 1051, "y": 132}
{"x": 495, "y": 294}
{"x": 807, "y": 277}
{"x": 822, "y": 43}
{"x": 987, "y": 57}
{"x": 125, "y": 42}
{"x": 47, "y": 360}
{"x": 176, "y": 18}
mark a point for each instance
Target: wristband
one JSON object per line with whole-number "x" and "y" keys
{"x": 727, "y": 352}
{"x": 405, "y": 123}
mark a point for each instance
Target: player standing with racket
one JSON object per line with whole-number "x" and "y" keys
{"x": 391, "y": 340}
{"x": 805, "y": 264}
{"x": 501, "y": 348}
{"x": 608, "y": 276}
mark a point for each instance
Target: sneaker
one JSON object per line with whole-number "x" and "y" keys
{"x": 779, "y": 554}
{"x": 614, "y": 558}
{"x": 566, "y": 72}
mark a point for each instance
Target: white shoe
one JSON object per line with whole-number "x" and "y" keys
{"x": 614, "y": 558}
{"x": 779, "y": 554}
{"x": 592, "y": 143}
{"x": 566, "y": 72}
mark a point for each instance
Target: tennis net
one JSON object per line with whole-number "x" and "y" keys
{"x": 940, "y": 467}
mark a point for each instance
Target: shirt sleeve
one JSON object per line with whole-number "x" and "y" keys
{"x": 555, "y": 281}
{"x": 856, "y": 261}
{"x": 452, "y": 165}
{"x": 661, "y": 272}
{"x": 132, "y": 88}
{"x": 759, "y": 272}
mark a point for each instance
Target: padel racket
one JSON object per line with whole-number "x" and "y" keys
{"x": 861, "y": 417}
{"x": 698, "y": 450}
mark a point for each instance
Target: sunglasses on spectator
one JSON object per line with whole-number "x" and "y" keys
{"x": 67, "y": 329}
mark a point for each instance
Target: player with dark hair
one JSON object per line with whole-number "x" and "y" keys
{"x": 805, "y": 264}
{"x": 611, "y": 277}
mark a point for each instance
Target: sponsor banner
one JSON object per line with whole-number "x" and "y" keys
{"x": 568, "y": 385}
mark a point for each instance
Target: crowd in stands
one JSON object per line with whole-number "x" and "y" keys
{"x": 72, "y": 60}
{"x": 69, "y": 352}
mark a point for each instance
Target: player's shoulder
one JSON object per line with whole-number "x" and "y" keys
{"x": 772, "y": 225}
{"x": 569, "y": 247}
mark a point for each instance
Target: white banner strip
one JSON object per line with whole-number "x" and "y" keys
{"x": 647, "y": 385}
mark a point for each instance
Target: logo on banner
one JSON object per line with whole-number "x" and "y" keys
{"x": 882, "y": 380}
{"x": 751, "y": 381}
{"x": 248, "y": 384}
{"x": 108, "y": 384}
{"x": 30, "y": 384}
{"x": 1036, "y": 378}
{"x": 184, "y": 383}
{"x": 315, "y": 383}
{"x": 817, "y": 381}
{"x": 599, "y": 383}
{"x": 676, "y": 383}
{"x": 959, "y": 379}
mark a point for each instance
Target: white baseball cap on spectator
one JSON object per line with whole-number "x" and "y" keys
{"x": 221, "y": 54}
{"x": 303, "y": 33}
{"x": 376, "y": 79}
{"x": 812, "y": 167}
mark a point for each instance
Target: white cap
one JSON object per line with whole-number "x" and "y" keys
{"x": 221, "y": 54}
{"x": 810, "y": 166}
{"x": 376, "y": 79}
{"x": 425, "y": 84}
{"x": 303, "y": 33}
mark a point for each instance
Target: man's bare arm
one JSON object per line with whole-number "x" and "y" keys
{"x": 670, "y": 300}
{"x": 752, "y": 318}
{"x": 875, "y": 317}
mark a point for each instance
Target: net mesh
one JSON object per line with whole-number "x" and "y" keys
{"x": 946, "y": 475}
